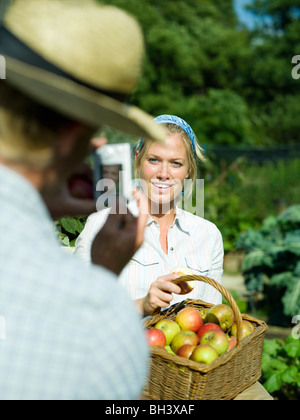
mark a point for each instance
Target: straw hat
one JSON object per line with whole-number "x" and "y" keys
{"x": 71, "y": 55}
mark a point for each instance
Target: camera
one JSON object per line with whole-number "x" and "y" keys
{"x": 112, "y": 173}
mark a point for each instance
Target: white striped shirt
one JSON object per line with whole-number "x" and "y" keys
{"x": 193, "y": 242}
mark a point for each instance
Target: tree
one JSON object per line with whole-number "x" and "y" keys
{"x": 232, "y": 84}
{"x": 273, "y": 94}
{"x": 194, "y": 56}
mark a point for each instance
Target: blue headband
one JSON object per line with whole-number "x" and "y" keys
{"x": 164, "y": 119}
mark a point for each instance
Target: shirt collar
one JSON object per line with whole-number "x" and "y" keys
{"x": 180, "y": 221}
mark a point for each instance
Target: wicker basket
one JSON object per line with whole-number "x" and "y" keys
{"x": 174, "y": 378}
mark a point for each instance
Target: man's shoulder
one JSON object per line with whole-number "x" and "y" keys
{"x": 90, "y": 277}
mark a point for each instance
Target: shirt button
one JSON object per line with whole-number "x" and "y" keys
{"x": 171, "y": 249}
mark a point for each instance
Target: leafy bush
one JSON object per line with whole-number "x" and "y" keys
{"x": 271, "y": 264}
{"x": 68, "y": 228}
{"x": 240, "y": 195}
{"x": 281, "y": 367}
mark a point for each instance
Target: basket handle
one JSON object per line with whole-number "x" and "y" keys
{"x": 226, "y": 295}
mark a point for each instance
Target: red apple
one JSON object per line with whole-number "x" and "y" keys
{"x": 169, "y": 328}
{"x": 185, "y": 351}
{"x": 232, "y": 342}
{"x": 217, "y": 339}
{"x": 156, "y": 337}
{"x": 184, "y": 337}
{"x": 186, "y": 286}
{"x": 221, "y": 315}
{"x": 204, "y": 353}
{"x": 247, "y": 328}
{"x": 189, "y": 319}
{"x": 207, "y": 327}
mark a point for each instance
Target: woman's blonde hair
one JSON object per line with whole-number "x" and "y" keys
{"x": 194, "y": 158}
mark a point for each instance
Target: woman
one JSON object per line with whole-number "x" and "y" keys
{"x": 173, "y": 237}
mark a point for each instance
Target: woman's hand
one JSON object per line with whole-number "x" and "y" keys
{"x": 159, "y": 295}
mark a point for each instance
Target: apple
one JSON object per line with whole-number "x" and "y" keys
{"x": 189, "y": 319}
{"x": 203, "y": 313}
{"x": 186, "y": 286}
{"x": 232, "y": 342}
{"x": 169, "y": 350}
{"x": 169, "y": 328}
{"x": 185, "y": 351}
{"x": 155, "y": 337}
{"x": 207, "y": 327}
{"x": 247, "y": 328}
{"x": 221, "y": 315}
{"x": 204, "y": 353}
{"x": 217, "y": 339}
{"x": 184, "y": 337}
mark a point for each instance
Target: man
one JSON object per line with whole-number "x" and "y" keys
{"x": 70, "y": 332}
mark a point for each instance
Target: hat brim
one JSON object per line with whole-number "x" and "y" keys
{"x": 80, "y": 102}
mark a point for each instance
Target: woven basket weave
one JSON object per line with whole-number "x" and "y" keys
{"x": 174, "y": 378}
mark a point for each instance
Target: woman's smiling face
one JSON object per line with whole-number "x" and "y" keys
{"x": 164, "y": 169}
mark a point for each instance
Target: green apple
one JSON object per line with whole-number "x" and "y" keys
{"x": 169, "y": 328}
{"x": 221, "y": 315}
{"x": 169, "y": 350}
{"x": 216, "y": 339}
{"x": 184, "y": 337}
{"x": 204, "y": 353}
{"x": 247, "y": 329}
{"x": 203, "y": 313}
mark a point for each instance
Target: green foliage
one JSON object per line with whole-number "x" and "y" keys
{"x": 241, "y": 196}
{"x": 271, "y": 264}
{"x": 68, "y": 228}
{"x": 224, "y": 118}
{"x": 233, "y": 85}
{"x": 281, "y": 367}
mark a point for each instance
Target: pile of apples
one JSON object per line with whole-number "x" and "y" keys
{"x": 201, "y": 336}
